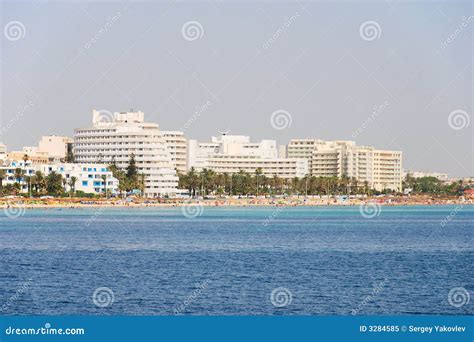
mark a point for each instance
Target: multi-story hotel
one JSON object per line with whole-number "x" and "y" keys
{"x": 88, "y": 176}
{"x": 55, "y": 146}
{"x": 115, "y": 137}
{"x": 232, "y": 153}
{"x": 50, "y": 149}
{"x": 176, "y": 145}
{"x": 379, "y": 168}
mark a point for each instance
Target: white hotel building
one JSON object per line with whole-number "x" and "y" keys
{"x": 115, "y": 137}
{"x": 381, "y": 169}
{"x": 88, "y": 176}
{"x": 177, "y": 147}
{"x": 232, "y": 153}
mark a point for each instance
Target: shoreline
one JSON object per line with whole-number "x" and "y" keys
{"x": 81, "y": 203}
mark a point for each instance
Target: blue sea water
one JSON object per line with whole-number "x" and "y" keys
{"x": 228, "y": 261}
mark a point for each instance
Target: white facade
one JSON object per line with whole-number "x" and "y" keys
{"x": 420, "y": 174}
{"x": 379, "y": 168}
{"x": 88, "y": 176}
{"x": 55, "y": 146}
{"x": 114, "y": 138}
{"x": 232, "y": 153}
{"x": 177, "y": 147}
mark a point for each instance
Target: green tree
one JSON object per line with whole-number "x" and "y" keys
{"x": 132, "y": 171}
{"x": 72, "y": 184}
{"x": 104, "y": 181}
{"x": 40, "y": 184}
{"x": 54, "y": 183}
{"x": 18, "y": 176}
{"x": 3, "y": 175}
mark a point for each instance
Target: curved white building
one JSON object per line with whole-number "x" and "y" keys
{"x": 115, "y": 137}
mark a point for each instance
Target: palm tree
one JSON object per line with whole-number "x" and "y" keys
{"x": 40, "y": 182}
{"x": 54, "y": 183}
{"x": 25, "y": 158}
{"x": 72, "y": 184}
{"x": 3, "y": 175}
{"x": 33, "y": 183}
{"x": 258, "y": 172}
{"x": 28, "y": 180}
{"x": 64, "y": 180}
{"x": 104, "y": 179}
{"x": 18, "y": 176}
{"x": 141, "y": 184}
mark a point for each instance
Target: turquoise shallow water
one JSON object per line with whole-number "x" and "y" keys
{"x": 315, "y": 260}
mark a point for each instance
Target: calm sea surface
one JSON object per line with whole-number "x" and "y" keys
{"x": 316, "y": 260}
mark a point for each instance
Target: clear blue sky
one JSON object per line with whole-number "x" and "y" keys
{"x": 249, "y": 60}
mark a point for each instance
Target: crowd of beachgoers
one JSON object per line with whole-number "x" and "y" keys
{"x": 301, "y": 200}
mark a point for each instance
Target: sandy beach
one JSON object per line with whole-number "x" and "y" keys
{"x": 228, "y": 201}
